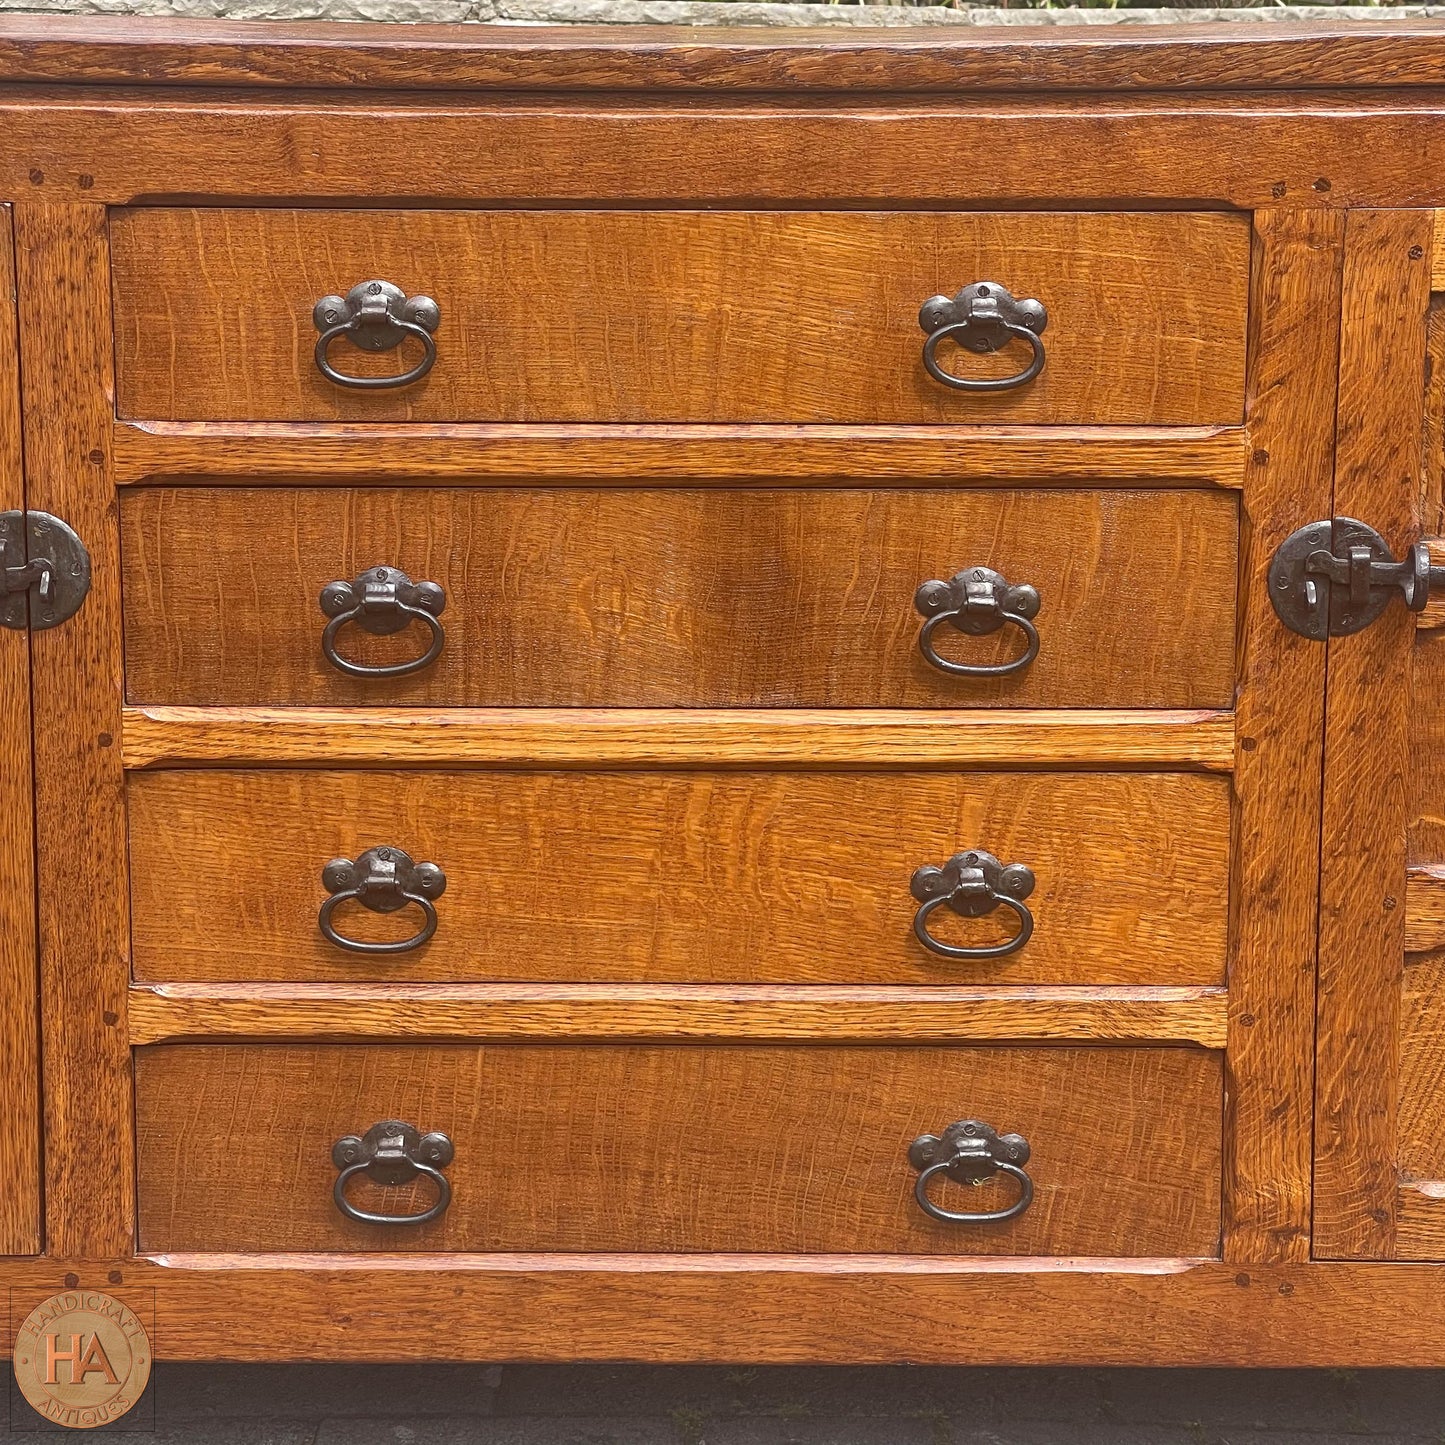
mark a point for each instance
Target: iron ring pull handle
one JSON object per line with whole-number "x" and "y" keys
{"x": 970, "y": 1152}
{"x": 383, "y": 601}
{"x": 977, "y": 601}
{"x": 973, "y": 884}
{"x": 375, "y": 316}
{"x": 392, "y": 1153}
{"x": 983, "y": 318}
{"x": 384, "y": 880}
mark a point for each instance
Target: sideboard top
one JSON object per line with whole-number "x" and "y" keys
{"x": 1280, "y": 55}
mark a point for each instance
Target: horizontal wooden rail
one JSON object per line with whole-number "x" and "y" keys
{"x": 599, "y": 738}
{"x": 354, "y": 454}
{"x": 1425, "y": 908}
{"x": 166, "y": 1013}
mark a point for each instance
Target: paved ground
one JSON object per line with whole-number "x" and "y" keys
{"x": 633, "y": 1405}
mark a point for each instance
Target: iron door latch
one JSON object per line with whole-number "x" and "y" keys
{"x": 44, "y": 571}
{"x": 1336, "y": 577}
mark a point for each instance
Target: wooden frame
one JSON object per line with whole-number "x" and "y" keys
{"x": 1298, "y": 156}
{"x": 20, "y": 1196}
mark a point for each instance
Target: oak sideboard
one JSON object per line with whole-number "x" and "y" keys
{"x": 738, "y": 696}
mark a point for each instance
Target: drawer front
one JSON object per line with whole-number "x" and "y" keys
{"x": 687, "y": 598}
{"x": 684, "y": 877}
{"x": 679, "y": 1148}
{"x": 597, "y": 316}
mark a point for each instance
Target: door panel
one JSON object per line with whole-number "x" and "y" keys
{"x": 19, "y": 1051}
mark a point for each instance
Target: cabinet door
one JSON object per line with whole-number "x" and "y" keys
{"x": 1380, "y": 1080}
{"x": 19, "y": 1053}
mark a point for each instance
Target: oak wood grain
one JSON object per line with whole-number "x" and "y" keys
{"x": 175, "y": 50}
{"x": 676, "y": 1147}
{"x": 1294, "y": 315}
{"x": 839, "y": 1309}
{"x": 1424, "y": 907}
{"x": 1419, "y": 1121}
{"x": 65, "y": 336}
{"x": 397, "y": 1012}
{"x": 20, "y": 1222}
{"x": 1341, "y": 149}
{"x": 1368, "y": 739}
{"x": 640, "y": 598}
{"x": 628, "y": 316}
{"x": 691, "y": 877}
{"x": 357, "y": 453}
{"x": 168, "y": 737}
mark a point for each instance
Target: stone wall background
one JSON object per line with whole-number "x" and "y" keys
{"x": 722, "y": 12}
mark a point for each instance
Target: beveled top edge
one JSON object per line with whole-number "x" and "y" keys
{"x": 1283, "y": 55}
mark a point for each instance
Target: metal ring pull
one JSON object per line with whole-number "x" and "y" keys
{"x": 982, "y": 318}
{"x": 973, "y": 884}
{"x": 392, "y": 1153}
{"x": 384, "y": 880}
{"x": 376, "y": 316}
{"x": 971, "y": 1152}
{"x": 977, "y": 601}
{"x": 383, "y": 601}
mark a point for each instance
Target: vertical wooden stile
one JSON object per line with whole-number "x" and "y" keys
{"x": 1367, "y": 741}
{"x": 1294, "y": 329}
{"x": 65, "y": 347}
{"x": 19, "y": 1040}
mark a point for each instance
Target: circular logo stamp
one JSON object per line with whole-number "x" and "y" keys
{"x": 82, "y": 1358}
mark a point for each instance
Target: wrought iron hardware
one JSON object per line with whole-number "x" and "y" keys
{"x": 376, "y": 316}
{"x": 384, "y": 880}
{"x": 44, "y": 571}
{"x": 982, "y": 318}
{"x": 971, "y": 1152}
{"x": 1336, "y": 577}
{"x": 392, "y": 1153}
{"x": 383, "y": 601}
{"x": 977, "y": 601}
{"x": 973, "y": 884}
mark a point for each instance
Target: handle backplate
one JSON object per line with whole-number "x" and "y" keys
{"x": 972, "y": 884}
{"x": 983, "y": 318}
{"x": 971, "y": 1152}
{"x": 392, "y": 1153}
{"x": 375, "y": 316}
{"x": 977, "y": 602}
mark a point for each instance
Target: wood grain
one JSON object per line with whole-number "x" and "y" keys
{"x": 1419, "y": 1120}
{"x": 1244, "y": 151}
{"x": 696, "y": 877}
{"x": 1368, "y": 738}
{"x": 838, "y": 1309}
{"x": 168, "y": 737}
{"x": 1424, "y": 907}
{"x": 1294, "y": 314}
{"x": 759, "y": 1148}
{"x": 397, "y": 1012}
{"x": 20, "y": 1223}
{"x": 627, "y": 316}
{"x": 65, "y": 334}
{"x": 357, "y": 453}
{"x": 174, "y": 50}
{"x": 640, "y": 598}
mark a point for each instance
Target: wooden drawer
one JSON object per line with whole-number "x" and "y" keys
{"x": 682, "y": 877}
{"x": 689, "y": 598}
{"x": 674, "y": 1147}
{"x": 606, "y": 316}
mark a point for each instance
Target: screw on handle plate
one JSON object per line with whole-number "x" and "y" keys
{"x": 383, "y": 601}
{"x": 976, "y": 602}
{"x": 973, "y": 884}
{"x": 392, "y": 1153}
{"x": 982, "y": 318}
{"x": 970, "y": 1152}
{"x": 383, "y": 880}
{"x": 375, "y": 316}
